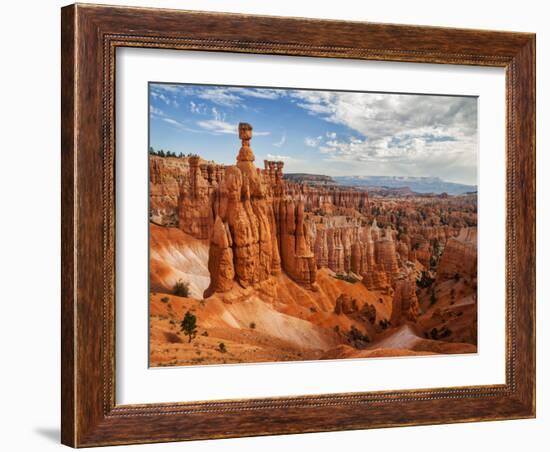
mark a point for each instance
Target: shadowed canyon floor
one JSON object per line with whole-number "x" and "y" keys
{"x": 247, "y": 266}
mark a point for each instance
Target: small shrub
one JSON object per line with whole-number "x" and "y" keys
{"x": 425, "y": 280}
{"x": 165, "y": 299}
{"x": 222, "y": 348}
{"x": 181, "y": 289}
{"x": 445, "y": 332}
{"x": 189, "y": 325}
{"x": 368, "y": 312}
{"x": 252, "y": 325}
{"x": 442, "y": 333}
{"x": 204, "y": 333}
{"x": 457, "y": 277}
{"x": 357, "y": 339}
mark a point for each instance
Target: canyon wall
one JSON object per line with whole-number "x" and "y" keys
{"x": 165, "y": 177}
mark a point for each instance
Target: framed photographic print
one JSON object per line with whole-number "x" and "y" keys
{"x": 281, "y": 225}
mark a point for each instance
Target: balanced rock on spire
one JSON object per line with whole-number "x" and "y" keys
{"x": 244, "y": 206}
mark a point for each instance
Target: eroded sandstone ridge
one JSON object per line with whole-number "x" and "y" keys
{"x": 255, "y": 228}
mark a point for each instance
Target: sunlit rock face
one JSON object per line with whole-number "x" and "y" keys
{"x": 460, "y": 256}
{"x": 405, "y": 302}
{"x": 220, "y": 259}
{"x": 297, "y": 256}
{"x": 241, "y": 210}
{"x": 386, "y": 254}
{"x": 260, "y": 228}
{"x": 194, "y": 207}
{"x": 165, "y": 177}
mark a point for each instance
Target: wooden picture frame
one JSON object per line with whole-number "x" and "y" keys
{"x": 90, "y": 36}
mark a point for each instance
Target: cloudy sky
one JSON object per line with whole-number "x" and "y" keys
{"x": 323, "y": 132}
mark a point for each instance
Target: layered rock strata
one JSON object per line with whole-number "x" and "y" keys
{"x": 405, "y": 305}
{"x": 165, "y": 176}
{"x": 261, "y": 229}
{"x": 459, "y": 257}
{"x": 195, "y": 216}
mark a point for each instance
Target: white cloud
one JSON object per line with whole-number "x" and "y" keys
{"x": 216, "y": 126}
{"x": 223, "y": 96}
{"x": 261, "y": 93}
{"x": 218, "y": 115}
{"x": 313, "y": 142}
{"x": 172, "y": 121}
{"x": 177, "y": 124}
{"x": 167, "y": 88}
{"x": 167, "y": 100}
{"x": 156, "y": 112}
{"x": 282, "y": 141}
{"x": 414, "y": 156}
{"x": 282, "y": 158}
{"x": 377, "y": 115}
{"x": 219, "y": 125}
{"x": 220, "y": 96}
{"x": 198, "y": 109}
{"x": 395, "y": 131}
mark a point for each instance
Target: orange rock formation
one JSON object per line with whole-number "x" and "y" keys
{"x": 357, "y": 276}
{"x": 257, "y": 228}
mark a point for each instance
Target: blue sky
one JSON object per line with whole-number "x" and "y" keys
{"x": 323, "y": 132}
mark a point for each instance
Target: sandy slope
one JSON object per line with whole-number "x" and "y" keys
{"x": 175, "y": 255}
{"x": 251, "y": 332}
{"x": 405, "y": 337}
{"x": 275, "y": 321}
{"x": 402, "y": 341}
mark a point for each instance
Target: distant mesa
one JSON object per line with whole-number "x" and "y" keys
{"x": 386, "y": 185}
{"x": 415, "y": 184}
{"x": 310, "y": 179}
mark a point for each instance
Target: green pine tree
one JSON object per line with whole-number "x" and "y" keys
{"x": 189, "y": 325}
